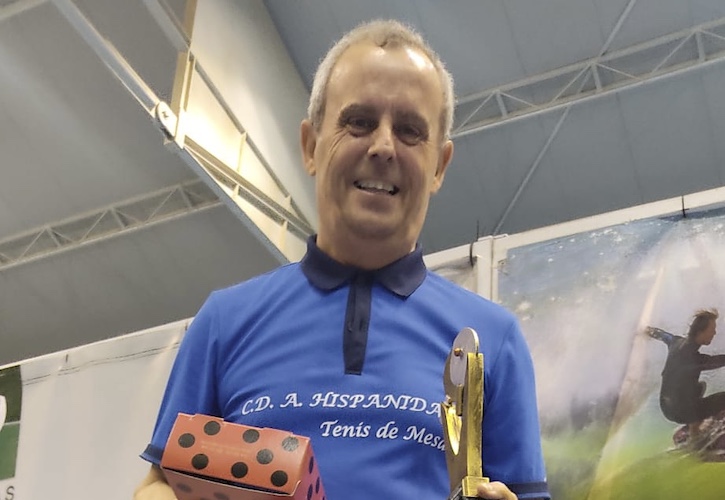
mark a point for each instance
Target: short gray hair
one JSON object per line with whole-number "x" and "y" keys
{"x": 382, "y": 33}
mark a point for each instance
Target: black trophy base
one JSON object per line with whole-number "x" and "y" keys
{"x": 458, "y": 495}
{"x": 468, "y": 486}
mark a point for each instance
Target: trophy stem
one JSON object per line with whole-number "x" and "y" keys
{"x": 462, "y": 416}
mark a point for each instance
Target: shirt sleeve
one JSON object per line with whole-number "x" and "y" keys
{"x": 708, "y": 362}
{"x": 511, "y": 444}
{"x": 191, "y": 387}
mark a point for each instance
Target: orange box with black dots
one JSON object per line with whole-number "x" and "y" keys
{"x": 207, "y": 458}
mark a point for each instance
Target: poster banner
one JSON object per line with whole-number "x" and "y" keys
{"x": 76, "y": 421}
{"x": 10, "y": 406}
{"x": 585, "y": 302}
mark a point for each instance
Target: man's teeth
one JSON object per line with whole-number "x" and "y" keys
{"x": 376, "y": 186}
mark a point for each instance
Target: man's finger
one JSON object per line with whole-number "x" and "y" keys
{"x": 496, "y": 491}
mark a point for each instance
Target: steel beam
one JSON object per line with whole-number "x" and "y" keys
{"x": 170, "y": 26}
{"x": 15, "y": 8}
{"x": 531, "y": 171}
{"x": 609, "y": 73}
{"x": 172, "y": 126}
{"x": 587, "y": 75}
{"x": 108, "y": 54}
{"x": 105, "y": 223}
{"x": 617, "y": 26}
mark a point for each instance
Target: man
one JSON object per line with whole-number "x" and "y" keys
{"x": 348, "y": 346}
{"x": 681, "y": 394}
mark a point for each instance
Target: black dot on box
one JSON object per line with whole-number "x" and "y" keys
{"x": 199, "y": 461}
{"x": 317, "y": 485}
{"x": 184, "y": 487}
{"x": 290, "y": 443}
{"x": 312, "y": 464}
{"x": 250, "y": 436}
{"x": 265, "y": 456}
{"x": 279, "y": 478}
{"x": 239, "y": 470}
{"x": 212, "y": 428}
{"x": 309, "y": 493}
{"x": 187, "y": 440}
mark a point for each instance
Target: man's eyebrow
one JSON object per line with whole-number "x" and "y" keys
{"x": 356, "y": 109}
{"x": 412, "y": 116}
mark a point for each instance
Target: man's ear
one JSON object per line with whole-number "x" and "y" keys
{"x": 308, "y": 142}
{"x": 443, "y": 162}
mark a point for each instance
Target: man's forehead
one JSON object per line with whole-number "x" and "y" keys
{"x": 364, "y": 48}
{"x": 359, "y": 62}
{"x": 363, "y": 62}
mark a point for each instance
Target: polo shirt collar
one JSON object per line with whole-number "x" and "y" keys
{"x": 401, "y": 277}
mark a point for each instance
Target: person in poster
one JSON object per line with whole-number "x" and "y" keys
{"x": 682, "y": 393}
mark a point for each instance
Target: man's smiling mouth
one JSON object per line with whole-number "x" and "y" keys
{"x": 377, "y": 187}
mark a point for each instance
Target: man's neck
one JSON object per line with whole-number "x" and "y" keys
{"x": 363, "y": 253}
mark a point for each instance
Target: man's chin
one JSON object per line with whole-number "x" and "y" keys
{"x": 373, "y": 232}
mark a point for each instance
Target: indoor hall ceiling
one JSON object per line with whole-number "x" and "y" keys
{"x": 104, "y": 230}
{"x": 660, "y": 135}
{"x": 78, "y": 148}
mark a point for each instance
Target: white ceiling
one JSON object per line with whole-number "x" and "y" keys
{"x": 76, "y": 144}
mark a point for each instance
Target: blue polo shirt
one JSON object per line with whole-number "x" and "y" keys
{"x": 354, "y": 360}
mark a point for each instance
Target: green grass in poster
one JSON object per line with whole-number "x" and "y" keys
{"x": 570, "y": 463}
{"x": 638, "y": 465}
{"x": 667, "y": 476}
{"x": 8, "y": 449}
{"x": 11, "y": 387}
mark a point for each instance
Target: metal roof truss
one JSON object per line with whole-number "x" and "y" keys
{"x": 663, "y": 57}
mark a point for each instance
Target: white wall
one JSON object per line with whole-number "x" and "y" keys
{"x": 237, "y": 44}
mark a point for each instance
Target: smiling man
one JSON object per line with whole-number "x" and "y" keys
{"x": 378, "y": 152}
{"x": 348, "y": 346}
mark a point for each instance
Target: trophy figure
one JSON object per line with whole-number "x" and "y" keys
{"x": 462, "y": 415}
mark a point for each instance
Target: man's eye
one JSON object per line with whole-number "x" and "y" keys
{"x": 410, "y": 134}
{"x": 361, "y": 124}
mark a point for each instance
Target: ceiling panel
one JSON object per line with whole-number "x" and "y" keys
{"x": 129, "y": 26}
{"x": 592, "y": 159}
{"x": 651, "y": 19}
{"x": 486, "y": 171}
{"x": 713, "y": 81}
{"x": 504, "y": 156}
{"x": 307, "y": 28}
{"x": 353, "y": 13}
{"x": 554, "y": 33}
{"x": 608, "y": 13}
{"x": 74, "y": 141}
{"x": 476, "y": 42}
{"x": 455, "y": 211}
{"x": 72, "y": 137}
{"x": 702, "y": 11}
{"x": 543, "y": 198}
{"x": 669, "y": 130}
{"x": 143, "y": 279}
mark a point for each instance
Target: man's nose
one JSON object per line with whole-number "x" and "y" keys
{"x": 383, "y": 145}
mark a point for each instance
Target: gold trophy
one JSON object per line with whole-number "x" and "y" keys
{"x": 462, "y": 415}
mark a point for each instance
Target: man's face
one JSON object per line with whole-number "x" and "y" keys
{"x": 705, "y": 336}
{"x": 378, "y": 154}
